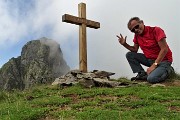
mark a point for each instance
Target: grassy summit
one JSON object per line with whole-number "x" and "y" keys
{"x": 48, "y": 102}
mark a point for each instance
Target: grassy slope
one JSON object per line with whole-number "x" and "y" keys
{"x": 130, "y": 103}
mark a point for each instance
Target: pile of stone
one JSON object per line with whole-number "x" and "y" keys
{"x": 90, "y": 79}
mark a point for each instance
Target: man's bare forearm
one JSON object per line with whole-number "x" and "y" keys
{"x": 131, "y": 48}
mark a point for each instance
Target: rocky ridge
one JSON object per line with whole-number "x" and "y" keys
{"x": 41, "y": 61}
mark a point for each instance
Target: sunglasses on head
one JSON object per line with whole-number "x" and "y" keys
{"x": 136, "y": 27}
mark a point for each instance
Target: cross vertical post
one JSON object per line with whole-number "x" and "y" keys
{"x": 82, "y": 39}
{"x": 83, "y": 23}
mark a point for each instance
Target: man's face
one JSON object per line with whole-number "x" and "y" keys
{"x": 136, "y": 27}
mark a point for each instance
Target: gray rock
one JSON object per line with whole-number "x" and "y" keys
{"x": 41, "y": 61}
{"x": 102, "y": 74}
{"x": 10, "y": 75}
{"x": 106, "y": 82}
{"x": 86, "y": 83}
{"x": 158, "y": 85}
{"x": 89, "y": 79}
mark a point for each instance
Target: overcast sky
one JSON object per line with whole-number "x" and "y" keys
{"x": 25, "y": 20}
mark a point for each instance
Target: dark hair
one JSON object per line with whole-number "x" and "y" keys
{"x": 133, "y": 18}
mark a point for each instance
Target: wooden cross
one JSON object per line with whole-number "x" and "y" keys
{"x": 83, "y": 23}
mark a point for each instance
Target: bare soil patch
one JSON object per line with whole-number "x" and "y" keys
{"x": 172, "y": 83}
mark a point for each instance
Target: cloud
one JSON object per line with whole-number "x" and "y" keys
{"x": 12, "y": 27}
{"x": 27, "y": 20}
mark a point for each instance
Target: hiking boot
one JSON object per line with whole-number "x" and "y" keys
{"x": 140, "y": 76}
{"x": 171, "y": 72}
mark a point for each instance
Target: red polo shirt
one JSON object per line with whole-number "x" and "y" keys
{"x": 148, "y": 42}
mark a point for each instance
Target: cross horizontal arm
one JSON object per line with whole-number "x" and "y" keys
{"x": 78, "y": 21}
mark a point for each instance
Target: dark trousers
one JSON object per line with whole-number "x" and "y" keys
{"x": 158, "y": 75}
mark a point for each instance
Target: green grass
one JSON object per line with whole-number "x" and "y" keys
{"x": 129, "y": 103}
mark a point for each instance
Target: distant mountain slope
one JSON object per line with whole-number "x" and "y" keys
{"x": 40, "y": 62}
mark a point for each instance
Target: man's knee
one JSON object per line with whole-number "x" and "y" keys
{"x": 152, "y": 79}
{"x": 155, "y": 79}
{"x": 130, "y": 54}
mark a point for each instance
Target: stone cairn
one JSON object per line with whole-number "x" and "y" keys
{"x": 95, "y": 78}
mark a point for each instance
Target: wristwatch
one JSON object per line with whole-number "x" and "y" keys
{"x": 156, "y": 64}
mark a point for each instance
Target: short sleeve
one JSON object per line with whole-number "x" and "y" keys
{"x": 159, "y": 33}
